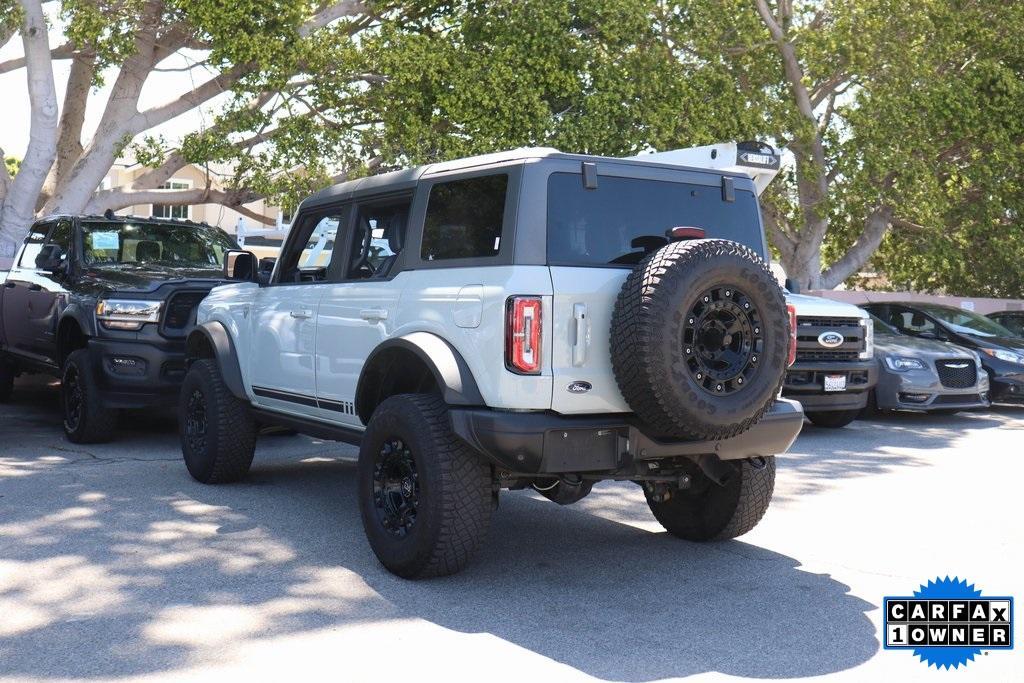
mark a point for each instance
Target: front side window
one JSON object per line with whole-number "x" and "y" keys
{"x": 311, "y": 250}
{"x": 168, "y": 211}
{"x": 34, "y": 244}
{"x": 464, "y": 218}
{"x": 378, "y": 239}
{"x": 154, "y": 245}
{"x": 624, "y": 219}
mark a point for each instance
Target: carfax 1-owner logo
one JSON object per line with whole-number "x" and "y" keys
{"x": 948, "y": 622}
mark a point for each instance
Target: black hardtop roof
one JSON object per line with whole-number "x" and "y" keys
{"x": 406, "y": 179}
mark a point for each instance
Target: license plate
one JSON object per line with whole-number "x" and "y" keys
{"x": 835, "y": 382}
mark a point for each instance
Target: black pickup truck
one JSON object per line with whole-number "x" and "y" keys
{"x": 105, "y": 303}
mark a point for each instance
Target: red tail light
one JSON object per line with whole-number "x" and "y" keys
{"x": 523, "y": 334}
{"x": 792, "y": 334}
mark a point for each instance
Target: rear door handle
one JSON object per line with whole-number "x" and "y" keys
{"x": 373, "y": 314}
{"x": 33, "y": 287}
{"x": 10, "y": 284}
{"x": 301, "y": 314}
{"x": 580, "y": 334}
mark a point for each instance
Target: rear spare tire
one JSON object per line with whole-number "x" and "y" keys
{"x": 699, "y": 339}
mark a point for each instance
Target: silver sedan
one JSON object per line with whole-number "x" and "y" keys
{"x": 924, "y": 374}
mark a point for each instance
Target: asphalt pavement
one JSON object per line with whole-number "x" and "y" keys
{"x": 114, "y": 564}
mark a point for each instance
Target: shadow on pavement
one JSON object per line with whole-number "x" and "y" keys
{"x": 130, "y": 568}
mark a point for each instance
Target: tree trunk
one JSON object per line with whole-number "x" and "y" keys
{"x": 18, "y": 209}
{"x": 69, "y": 142}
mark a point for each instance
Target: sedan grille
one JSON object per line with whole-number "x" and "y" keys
{"x": 957, "y": 373}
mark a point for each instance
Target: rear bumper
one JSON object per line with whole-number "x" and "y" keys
{"x": 805, "y": 383}
{"x": 545, "y": 442}
{"x": 137, "y": 374}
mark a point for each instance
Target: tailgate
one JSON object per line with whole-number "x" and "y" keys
{"x": 580, "y": 355}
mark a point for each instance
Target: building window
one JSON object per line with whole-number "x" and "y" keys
{"x": 167, "y": 211}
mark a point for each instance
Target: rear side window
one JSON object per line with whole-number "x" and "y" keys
{"x": 626, "y": 218}
{"x": 464, "y": 218}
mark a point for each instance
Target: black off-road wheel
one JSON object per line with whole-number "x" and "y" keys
{"x": 218, "y": 433}
{"x": 833, "y": 419}
{"x": 699, "y": 339}
{"x": 708, "y": 511}
{"x": 86, "y": 419}
{"x": 6, "y": 380}
{"x": 424, "y": 497}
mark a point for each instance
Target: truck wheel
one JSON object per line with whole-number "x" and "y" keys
{"x": 86, "y": 419}
{"x": 708, "y": 511}
{"x": 699, "y": 339}
{"x": 833, "y": 419}
{"x": 218, "y": 433}
{"x": 425, "y": 498}
{"x": 6, "y": 380}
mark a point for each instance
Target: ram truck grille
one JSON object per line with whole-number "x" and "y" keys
{"x": 180, "y": 313}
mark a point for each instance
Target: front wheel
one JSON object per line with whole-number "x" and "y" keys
{"x": 424, "y": 497}
{"x": 86, "y": 419}
{"x": 218, "y": 433}
{"x": 708, "y": 511}
{"x": 6, "y": 380}
{"x": 832, "y": 419}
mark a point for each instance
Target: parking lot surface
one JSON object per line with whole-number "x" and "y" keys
{"x": 115, "y": 564}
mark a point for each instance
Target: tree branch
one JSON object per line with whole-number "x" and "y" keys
{"x": 65, "y": 51}
{"x": 69, "y": 140}
{"x": 186, "y": 102}
{"x": 5, "y": 177}
{"x": 875, "y": 227}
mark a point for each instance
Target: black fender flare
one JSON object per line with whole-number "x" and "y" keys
{"x": 214, "y": 334}
{"x": 452, "y": 374}
{"x": 74, "y": 314}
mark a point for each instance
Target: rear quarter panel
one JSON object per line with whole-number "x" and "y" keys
{"x": 466, "y": 308}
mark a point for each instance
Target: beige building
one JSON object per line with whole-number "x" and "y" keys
{"x": 192, "y": 176}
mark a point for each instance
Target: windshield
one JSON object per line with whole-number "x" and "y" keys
{"x": 884, "y": 328}
{"x": 116, "y": 243}
{"x": 624, "y": 219}
{"x": 966, "y": 322}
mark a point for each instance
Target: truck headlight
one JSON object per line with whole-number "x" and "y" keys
{"x": 869, "y": 339}
{"x": 1008, "y": 356}
{"x": 127, "y": 314}
{"x": 898, "y": 364}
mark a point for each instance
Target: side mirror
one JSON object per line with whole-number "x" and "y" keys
{"x": 240, "y": 266}
{"x": 792, "y": 286}
{"x": 50, "y": 258}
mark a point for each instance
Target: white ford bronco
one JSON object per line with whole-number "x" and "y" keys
{"x": 528, "y": 319}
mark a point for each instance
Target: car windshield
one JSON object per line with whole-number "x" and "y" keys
{"x": 117, "y": 243}
{"x": 966, "y": 322}
{"x": 883, "y": 328}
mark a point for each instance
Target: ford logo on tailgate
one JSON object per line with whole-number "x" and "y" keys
{"x": 830, "y": 340}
